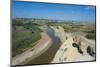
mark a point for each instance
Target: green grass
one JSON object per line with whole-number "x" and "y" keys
{"x": 91, "y": 34}
{"x": 23, "y": 36}
{"x": 67, "y": 29}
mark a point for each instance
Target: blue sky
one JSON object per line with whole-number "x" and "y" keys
{"x": 53, "y": 11}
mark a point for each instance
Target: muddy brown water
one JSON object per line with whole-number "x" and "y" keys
{"x": 48, "y": 55}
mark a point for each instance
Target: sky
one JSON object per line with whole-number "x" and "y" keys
{"x": 65, "y": 12}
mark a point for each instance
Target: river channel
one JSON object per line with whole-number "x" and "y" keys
{"x": 48, "y": 55}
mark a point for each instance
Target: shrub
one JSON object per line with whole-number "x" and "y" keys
{"x": 23, "y": 37}
{"x": 90, "y": 36}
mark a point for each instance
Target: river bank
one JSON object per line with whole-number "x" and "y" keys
{"x": 48, "y": 55}
{"x": 42, "y": 46}
{"x": 68, "y": 53}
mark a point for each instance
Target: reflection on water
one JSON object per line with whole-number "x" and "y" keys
{"x": 48, "y": 56}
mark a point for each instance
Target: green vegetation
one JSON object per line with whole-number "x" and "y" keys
{"x": 67, "y": 29}
{"x": 88, "y": 30}
{"x": 26, "y": 32}
{"x": 91, "y": 34}
{"x": 24, "y": 35}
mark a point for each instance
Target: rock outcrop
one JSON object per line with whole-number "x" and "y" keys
{"x": 74, "y": 48}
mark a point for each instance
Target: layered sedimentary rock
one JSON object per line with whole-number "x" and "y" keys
{"x": 74, "y": 48}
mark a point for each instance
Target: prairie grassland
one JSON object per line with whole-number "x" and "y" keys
{"x": 23, "y": 35}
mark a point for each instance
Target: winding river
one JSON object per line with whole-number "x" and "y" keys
{"x": 48, "y": 55}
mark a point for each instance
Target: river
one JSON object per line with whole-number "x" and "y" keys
{"x": 48, "y": 55}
